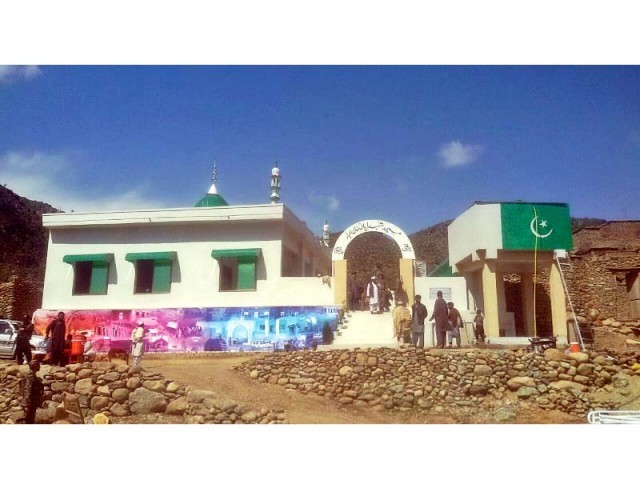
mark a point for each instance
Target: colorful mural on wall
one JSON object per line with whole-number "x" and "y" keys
{"x": 199, "y": 329}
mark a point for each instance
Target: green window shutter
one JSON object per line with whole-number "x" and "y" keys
{"x": 132, "y": 257}
{"x": 162, "y": 276}
{"x": 246, "y": 273}
{"x": 236, "y": 252}
{"x": 94, "y": 257}
{"x": 99, "y": 278}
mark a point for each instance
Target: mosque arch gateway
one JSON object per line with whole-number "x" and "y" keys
{"x": 363, "y": 227}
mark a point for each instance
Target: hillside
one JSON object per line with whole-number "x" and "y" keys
{"x": 23, "y": 240}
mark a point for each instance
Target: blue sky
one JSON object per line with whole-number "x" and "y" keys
{"x": 411, "y": 145}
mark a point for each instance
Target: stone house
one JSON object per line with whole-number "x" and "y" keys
{"x": 606, "y": 264}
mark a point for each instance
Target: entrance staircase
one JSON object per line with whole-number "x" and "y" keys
{"x": 363, "y": 330}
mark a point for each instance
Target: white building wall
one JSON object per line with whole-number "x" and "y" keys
{"x": 195, "y": 275}
{"x": 460, "y": 297}
{"x": 480, "y": 227}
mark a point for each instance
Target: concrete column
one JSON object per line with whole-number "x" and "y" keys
{"x": 493, "y": 299}
{"x": 474, "y": 290}
{"x": 558, "y": 302}
{"x": 408, "y": 277}
{"x": 340, "y": 281}
{"x": 527, "y": 303}
{"x": 277, "y": 327}
{"x": 266, "y": 327}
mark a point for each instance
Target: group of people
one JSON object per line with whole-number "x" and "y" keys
{"x": 59, "y": 343}
{"x": 409, "y": 324}
{"x": 376, "y": 296}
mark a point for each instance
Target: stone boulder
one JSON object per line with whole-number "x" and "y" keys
{"x": 482, "y": 370}
{"x": 526, "y": 392}
{"x": 516, "y": 382}
{"x": 143, "y": 400}
{"x": 579, "y": 357}
{"x": 177, "y": 407}
{"x": 554, "y": 354}
{"x": 567, "y": 385}
{"x": 84, "y": 386}
{"x": 198, "y": 396}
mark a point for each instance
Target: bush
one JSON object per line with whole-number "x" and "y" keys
{"x": 327, "y": 334}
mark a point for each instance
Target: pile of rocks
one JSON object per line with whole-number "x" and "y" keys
{"x": 447, "y": 381}
{"x": 121, "y": 391}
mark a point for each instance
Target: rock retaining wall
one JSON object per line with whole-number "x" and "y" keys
{"x": 447, "y": 381}
{"x": 120, "y": 391}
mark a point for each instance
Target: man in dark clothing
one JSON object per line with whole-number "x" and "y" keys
{"x": 353, "y": 291}
{"x": 57, "y": 331}
{"x": 441, "y": 316}
{"x": 23, "y": 347}
{"x": 418, "y": 314}
{"x": 32, "y": 392}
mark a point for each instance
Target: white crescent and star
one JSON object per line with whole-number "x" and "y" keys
{"x": 543, "y": 224}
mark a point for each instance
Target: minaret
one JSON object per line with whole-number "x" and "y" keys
{"x": 325, "y": 233}
{"x": 275, "y": 184}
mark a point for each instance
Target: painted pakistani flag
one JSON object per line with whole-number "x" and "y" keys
{"x": 524, "y": 223}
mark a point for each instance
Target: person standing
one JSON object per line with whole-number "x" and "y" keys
{"x": 401, "y": 293}
{"x": 353, "y": 292}
{"x": 418, "y": 315}
{"x": 373, "y": 293}
{"x": 383, "y": 300}
{"x": 455, "y": 322}
{"x": 89, "y": 352}
{"x": 57, "y": 331}
{"x": 32, "y": 392}
{"x": 402, "y": 323}
{"x": 441, "y": 316}
{"x": 23, "y": 339}
{"x": 137, "y": 343}
{"x": 478, "y": 326}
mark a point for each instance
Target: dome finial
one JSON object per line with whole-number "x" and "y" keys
{"x": 214, "y": 180}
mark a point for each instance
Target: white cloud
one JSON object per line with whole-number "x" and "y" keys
{"x": 455, "y": 154}
{"x": 47, "y": 178}
{"x": 14, "y": 73}
{"x": 330, "y": 202}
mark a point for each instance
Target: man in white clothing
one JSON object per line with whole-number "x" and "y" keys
{"x": 137, "y": 343}
{"x": 373, "y": 292}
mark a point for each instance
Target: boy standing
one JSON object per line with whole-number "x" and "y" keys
{"x": 478, "y": 323}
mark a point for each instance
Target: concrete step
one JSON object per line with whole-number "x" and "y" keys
{"x": 363, "y": 329}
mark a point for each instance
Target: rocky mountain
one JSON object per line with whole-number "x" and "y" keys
{"x": 23, "y": 240}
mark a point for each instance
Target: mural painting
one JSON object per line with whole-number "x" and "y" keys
{"x": 199, "y": 329}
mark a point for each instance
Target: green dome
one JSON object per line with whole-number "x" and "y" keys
{"x": 212, "y": 200}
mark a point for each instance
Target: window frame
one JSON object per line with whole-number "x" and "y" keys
{"x": 162, "y": 270}
{"x": 244, "y": 265}
{"x": 98, "y": 281}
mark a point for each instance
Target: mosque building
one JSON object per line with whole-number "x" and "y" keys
{"x": 220, "y": 277}
{"x": 213, "y": 276}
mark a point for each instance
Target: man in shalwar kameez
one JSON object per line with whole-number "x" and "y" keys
{"x": 137, "y": 343}
{"x": 373, "y": 292}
